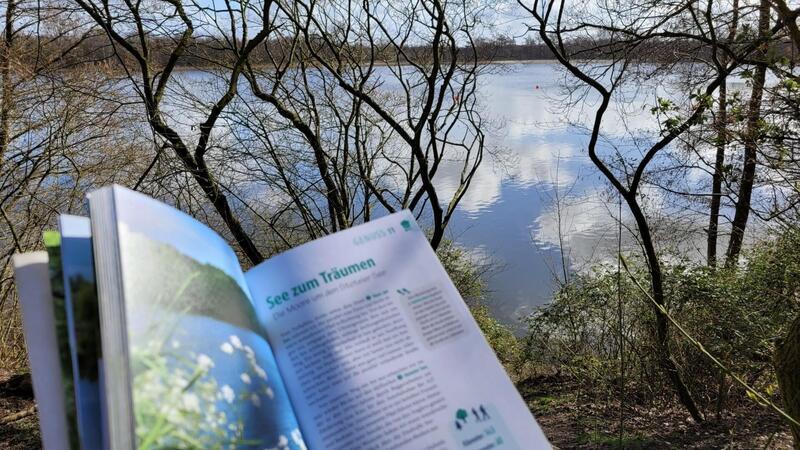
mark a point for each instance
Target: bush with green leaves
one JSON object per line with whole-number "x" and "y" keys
{"x": 467, "y": 275}
{"x": 463, "y": 268}
{"x": 737, "y": 314}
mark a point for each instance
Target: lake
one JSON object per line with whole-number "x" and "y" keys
{"x": 509, "y": 217}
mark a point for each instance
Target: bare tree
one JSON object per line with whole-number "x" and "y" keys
{"x": 58, "y": 137}
{"x": 435, "y": 114}
{"x": 721, "y": 125}
{"x": 611, "y": 40}
{"x": 132, "y": 27}
{"x": 319, "y": 126}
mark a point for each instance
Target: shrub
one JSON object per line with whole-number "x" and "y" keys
{"x": 737, "y": 314}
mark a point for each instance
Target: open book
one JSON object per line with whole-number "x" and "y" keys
{"x": 357, "y": 340}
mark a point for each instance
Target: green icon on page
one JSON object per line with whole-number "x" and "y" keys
{"x": 479, "y": 426}
{"x": 406, "y": 224}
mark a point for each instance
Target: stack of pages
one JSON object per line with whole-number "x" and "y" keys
{"x": 144, "y": 332}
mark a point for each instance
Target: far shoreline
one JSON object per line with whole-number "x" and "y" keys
{"x": 188, "y": 68}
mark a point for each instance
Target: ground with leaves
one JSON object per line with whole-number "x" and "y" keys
{"x": 18, "y": 428}
{"x": 571, "y": 421}
{"x": 568, "y": 421}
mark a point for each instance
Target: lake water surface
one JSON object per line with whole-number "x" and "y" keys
{"x": 509, "y": 214}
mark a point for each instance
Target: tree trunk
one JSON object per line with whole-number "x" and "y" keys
{"x": 6, "y": 91}
{"x": 750, "y": 149}
{"x": 721, "y": 125}
{"x": 665, "y": 359}
{"x": 716, "y": 183}
{"x": 787, "y": 370}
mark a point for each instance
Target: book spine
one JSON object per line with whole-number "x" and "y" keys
{"x": 113, "y": 324}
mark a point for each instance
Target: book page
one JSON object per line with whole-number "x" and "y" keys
{"x": 202, "y": 372}
{"x": 32, "y": 277}
{"x": 80, "y": 294}
{"x": 379, "y": 350}
{"x": 63, "y": 318}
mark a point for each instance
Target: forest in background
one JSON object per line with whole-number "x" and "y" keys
{"x": 293, "y": 134}
{"x": 206, "y": 52}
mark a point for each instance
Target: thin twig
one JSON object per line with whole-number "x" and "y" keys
{"x": 18, "y": 415}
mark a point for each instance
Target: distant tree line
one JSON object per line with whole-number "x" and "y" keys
{"x": 206, "y": 51}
